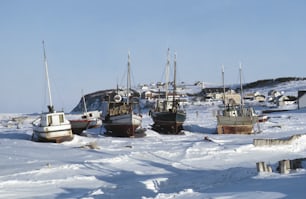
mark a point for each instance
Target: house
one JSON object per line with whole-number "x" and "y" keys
{"x": 273, "y": 96}
{"x": 214, "y": 93}
{"x": 301, "y": 99}
{"x": 259, "y": 97}
{"x": 249, "y": 96}
{"x": 285, "y": 100}
{"x": 231, "y": 97}
{"x": 274, "y": 93}
{"x": 255, "y": 96}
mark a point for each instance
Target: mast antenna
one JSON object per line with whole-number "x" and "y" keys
{"x": 241, "y": 87}
{"x": 128, "y": 78}
{"x": 167, "y": 72}
{"x": 223, "y": 84}
{"x": 174, "y": 81}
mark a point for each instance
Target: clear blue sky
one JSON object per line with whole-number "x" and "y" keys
{"x": 87, "y": 43}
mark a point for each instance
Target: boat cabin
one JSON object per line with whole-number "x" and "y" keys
{"x": 235, "y": 111}
{"x": 53, "y": 119}
{"x": 163, "y": 105}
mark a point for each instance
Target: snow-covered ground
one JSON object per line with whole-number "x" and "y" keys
{"x": 153, "y": 167}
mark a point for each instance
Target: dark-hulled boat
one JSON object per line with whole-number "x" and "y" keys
{"x": 168, "y": 117}
{"x": 168, "y": 121}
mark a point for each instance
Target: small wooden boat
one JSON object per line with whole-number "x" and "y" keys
{"x": 236, "y": 119}
{"x": 120, "y": 119}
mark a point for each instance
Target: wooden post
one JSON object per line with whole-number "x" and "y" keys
{"x": 296, "y": 164}
{"x": 259, "y": 166}
{"x": 284, "y": 166}
{"x": 262, "y": 167}
{"x": 269, "y": 169}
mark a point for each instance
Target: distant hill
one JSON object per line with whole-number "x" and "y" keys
{"x": 271, "y": 82}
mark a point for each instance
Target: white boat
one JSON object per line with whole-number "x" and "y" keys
{"x": 120, "y": 120}
{"x": 51, "y": 126}
{"x": 85, "y": 120}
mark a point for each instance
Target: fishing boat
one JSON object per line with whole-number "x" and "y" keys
{"x": 85, "y": 120}
{"x": 168, "y": 117}
{"x": 235, "y": 118}
{"x": 120, "y": 117}
{"x": 51, "y": 126}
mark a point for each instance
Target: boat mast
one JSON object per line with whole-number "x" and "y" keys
{"x": 128, "y": 78}
{"x": 167, "y": 72}
{"x": 241, "y": 88}
{"x": 174, "y": 81}
{"x": 223, "y": 85}
{"x": 50, "y": 107}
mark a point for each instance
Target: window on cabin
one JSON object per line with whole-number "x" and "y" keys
{"x": 49, "y": 120}
{"x": 61, "y": 118}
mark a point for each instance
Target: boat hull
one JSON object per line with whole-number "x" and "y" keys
{"x": 78, "y": 126}
{"x": 52, "y": 133}
{"x": 168, "y": 122}
{"x": 122, "y": 125}
{"x": 87, "y": 120}
{"x": 236, "y": 125}
{"x": 235, "y": 129}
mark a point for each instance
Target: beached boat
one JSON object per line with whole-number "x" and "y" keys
{"x": 233, "y": 118}
{"x": 51, "y": 126}
{"x": 120, "y": 117}
{"x": 168, "y": 117}
{"x": 85, "y": 120}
